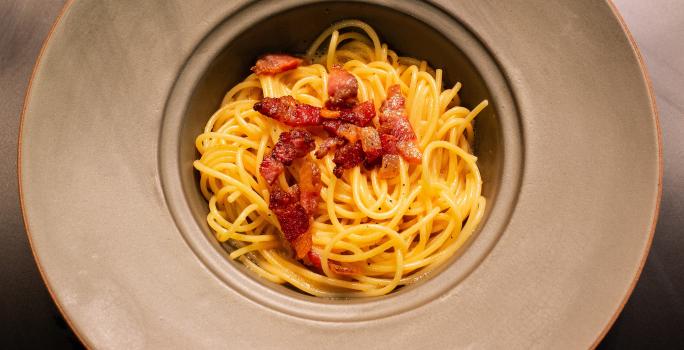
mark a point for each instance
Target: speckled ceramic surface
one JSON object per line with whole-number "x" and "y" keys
{"x": 569, "y": 152}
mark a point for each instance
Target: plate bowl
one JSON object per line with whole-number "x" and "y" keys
{"x": 569, "y": 152}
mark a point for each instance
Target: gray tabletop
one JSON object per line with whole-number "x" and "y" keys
{"x": 652, "y": 318}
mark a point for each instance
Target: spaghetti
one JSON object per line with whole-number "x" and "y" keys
{"x": 392, "y": 231}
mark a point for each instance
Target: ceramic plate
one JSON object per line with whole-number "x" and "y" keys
{"x": 569, "y": 152}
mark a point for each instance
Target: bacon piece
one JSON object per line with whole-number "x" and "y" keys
{"x": 288, "y": 111}
{"x": 310, "y": 186}
{"x": 306, "y": 115}
{"x": 400, "y": 128}
{"x": 275, "y": 63}
{"x": 362, "y": 114}
{"x": 389, "y": 144}
{"x": 342, "y": 88}
{"x": 365, "y": 113}
{"x": 313, "y": 259}
{"x": 409, "y": 150}
{"x": 395, "y": 101}
{"x": 294, "y": 208}
{"x": 328, "y": 145}
{"x": 371, "y": 143}
{"x": 328, "y": 114}
{"x": 293, "y": 219}
{"x": 302, "y": 244}
{"x": 302, "y": 141}
{"x": 393, "y": 118}
{"x": 331, "y": 126}
{"x": 281, "y": 199}
{"x": 362, "y": 144}
{"x": 278, "y": 108}
{"x": 349, "y": 132}
{"x": 341, "y": 129}
{"x": 347, "y": 157}
{"x": 394, "y": 121}
{"x": 389, "y": 167}
{"x": 270, "y": 169}
{"x": 290, "y": 146}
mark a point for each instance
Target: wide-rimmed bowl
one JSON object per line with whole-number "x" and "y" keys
{"x": 569, "y": 152}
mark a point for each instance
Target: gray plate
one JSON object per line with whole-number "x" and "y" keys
{"x": 569, "y": 152}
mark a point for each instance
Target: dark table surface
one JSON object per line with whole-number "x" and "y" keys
{"x": 652, "y": 318}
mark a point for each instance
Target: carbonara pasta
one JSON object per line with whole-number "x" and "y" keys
{"x": 385, "y": 232}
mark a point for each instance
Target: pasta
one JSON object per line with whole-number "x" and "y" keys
{"x": 392, "y": 231}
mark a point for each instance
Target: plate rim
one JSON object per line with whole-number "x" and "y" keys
{"x": 659, "y": 133}
{"x": 24, "y": 216}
